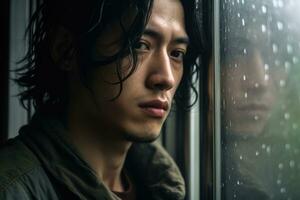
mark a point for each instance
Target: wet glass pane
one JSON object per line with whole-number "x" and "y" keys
{"x": 260, "y": 94}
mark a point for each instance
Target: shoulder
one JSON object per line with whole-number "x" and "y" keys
{"x": 21, "y": 173}
{"x": 155, "y": 168}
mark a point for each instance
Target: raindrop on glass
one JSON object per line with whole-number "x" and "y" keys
{"x": 243, "y": 22}
{"x": 263, "y": 28}
{"x": 275, "y": 48}
{"x": 245, "y": 51}
{"x": 256, "y": 153}
{"x": 246, "y": 95}
{"x": 282, "y": 83}
{"x": 286, "y": 116}
{"x": 280, "y": 25}
{"x": 264, "y": 9}
{"x": 280, "y": 166}
{"x": 269, "y": 149}
{"x": 241, "y": 157}
{"x": 292, "y": 164}
{"x": 280, "y": 4}
{"x": 282, "y": 190}
{"x": 295, "y": 60}
{"x": 275, "y": 3}
{"x": 239, "y": 14}
{"x": 278, "y": 181}
{"x": 253, "y": 6}
{"x": 287, "y": 146}
{"x": 289, "y": 48}
{"x": 294, "y": 126}
{"x": 256, "y": 85}
{"x": 244, "y": 77}
{"x": 267, "y": 67}
{"x": 263, "y": 146}
{"x": 267, "y": 77}
{"x": 256, "y": 117}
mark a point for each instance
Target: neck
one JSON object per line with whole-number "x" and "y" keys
{"x": 102, "y": 150}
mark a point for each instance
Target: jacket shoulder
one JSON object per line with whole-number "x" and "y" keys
{"x": 16, "y": 161}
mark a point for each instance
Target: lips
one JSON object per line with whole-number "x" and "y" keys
{"x": 155, "y": 108}
{"x": 254, "y": 107}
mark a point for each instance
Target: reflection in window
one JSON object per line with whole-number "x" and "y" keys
{"x": 260, "y": 99}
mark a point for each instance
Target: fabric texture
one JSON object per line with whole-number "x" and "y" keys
{"x": 41, "y": 164}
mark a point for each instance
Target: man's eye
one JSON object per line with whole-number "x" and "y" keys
{"x": 141, "y": 46}
{"x": 178, "y": 54}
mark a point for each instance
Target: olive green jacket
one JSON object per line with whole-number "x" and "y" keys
{"x": 41, "y": 164}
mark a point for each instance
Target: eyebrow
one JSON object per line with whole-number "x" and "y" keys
{"x": 156, "y": 34}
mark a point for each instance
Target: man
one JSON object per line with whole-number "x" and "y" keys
{"x": 102, "y": 76}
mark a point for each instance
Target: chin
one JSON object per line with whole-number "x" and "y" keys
{"x": 141, "y": 137}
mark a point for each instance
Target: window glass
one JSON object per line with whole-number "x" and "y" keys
{"x": 260, "y": 95}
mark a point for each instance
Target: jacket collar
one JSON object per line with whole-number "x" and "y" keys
{"x": 149, "y": 164}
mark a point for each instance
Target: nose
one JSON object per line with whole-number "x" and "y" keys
{"x": 161, "y": 74}
{"x": 257, "y": 76}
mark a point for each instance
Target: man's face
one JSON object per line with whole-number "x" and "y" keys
{"x": 146, "y": 97}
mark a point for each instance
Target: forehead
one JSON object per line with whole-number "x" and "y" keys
{"x": 167, "y": 14}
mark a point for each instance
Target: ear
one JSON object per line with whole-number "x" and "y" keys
{"x": 62, "y": 49}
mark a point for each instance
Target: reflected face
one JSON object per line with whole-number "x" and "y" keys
{"x": 250, "y": 89}
{"x": 144, "y": 103}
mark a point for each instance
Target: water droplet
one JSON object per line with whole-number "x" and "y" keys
{"x": 238, "y": 183}
{"x": 263, "y": 146}
{"x": 263, "y": 28}
{"x": 267, "y": 77}
{"x": 246, "y": 95}
{"x": 244, "y": 77}
{"x": 268, "y": 149}
{"x": 264, "y": 9}
{"x": 280, "y": 4}
{"x": 280, "y": 25}
{"x": 282, "y": 190}
{"x": 278, "y": 181}
{"x": 275, "y": 48}
{"x": 245, "y": 51}
{"x": 256, "y": 85}
{"x": 256, "y": 153}
{"x": 280, "y": 166}
{"x": 235, "y": 65}
{"x": 243, "y": 22}
{"x": 295, "y": 60}
{"x": 294, "y": 126}
{"x": 267, "y": 67}
{"x": 243, "y": 1}
{"x": 241, "y": 157}
{"x": 282, "y": 83}
{"x": 289, "y": 48}
{"x": 239, "y": 14}
{"x": 292, "y": 164}
{"x": 277, "y": 62}
{"x": 286, "y": 116}
{"x": 253, "y": 6}
{"x": 287, "y": 146}
{"x": 256, "y": 117}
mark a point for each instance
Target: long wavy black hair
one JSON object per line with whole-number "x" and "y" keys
{"x": 43, "y": 82}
